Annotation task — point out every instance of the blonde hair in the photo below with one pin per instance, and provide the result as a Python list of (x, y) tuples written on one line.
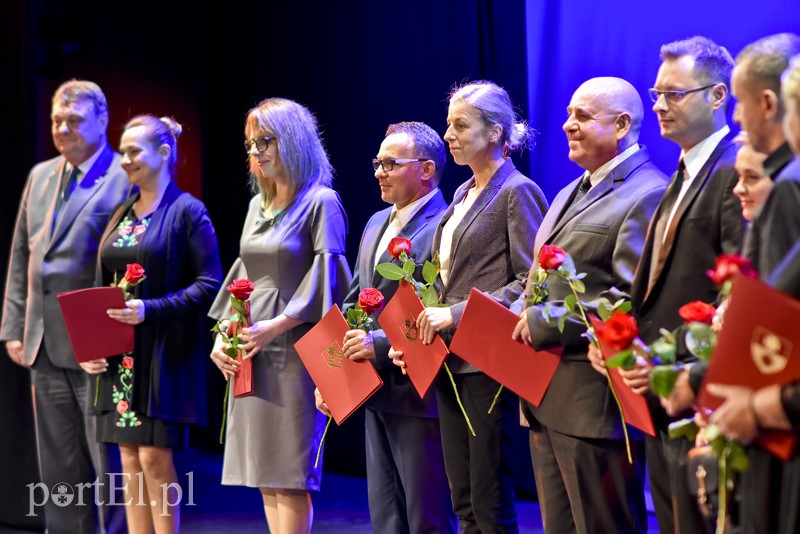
[(494, 107), (298, 143), (160, 131)]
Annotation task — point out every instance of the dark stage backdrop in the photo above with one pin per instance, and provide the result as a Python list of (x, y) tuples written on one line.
[(359, 65)]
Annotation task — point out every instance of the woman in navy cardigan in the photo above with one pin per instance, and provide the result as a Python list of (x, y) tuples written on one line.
[(146, 399)]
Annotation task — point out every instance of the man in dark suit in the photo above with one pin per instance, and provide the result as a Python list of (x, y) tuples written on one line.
[(584, 479), (698, 219), (406, 481), (64, 209)]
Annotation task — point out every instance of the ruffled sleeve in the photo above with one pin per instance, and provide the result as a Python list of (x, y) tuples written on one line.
[(327, 280)]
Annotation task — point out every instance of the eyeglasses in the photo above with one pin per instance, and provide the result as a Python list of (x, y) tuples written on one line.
[(674, 97), (261, 144), (388, 164)]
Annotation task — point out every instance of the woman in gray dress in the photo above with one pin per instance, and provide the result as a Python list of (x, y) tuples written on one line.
[(292, 249)]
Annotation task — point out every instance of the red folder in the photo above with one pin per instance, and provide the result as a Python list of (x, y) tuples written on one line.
[(759, 346), (344, 384), (243, 379), (634, 406), (92, 333), (483, 338), (398, 320)]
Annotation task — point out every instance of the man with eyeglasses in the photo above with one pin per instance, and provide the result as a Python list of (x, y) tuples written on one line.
[(406, 481), (584, 479), (64, 209), (698, 219)]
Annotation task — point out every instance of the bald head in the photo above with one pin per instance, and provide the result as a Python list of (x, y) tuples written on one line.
[(605, 117)]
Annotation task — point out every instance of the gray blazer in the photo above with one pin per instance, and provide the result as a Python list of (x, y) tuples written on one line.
[(492, 245), (604, 233), (44, 263)]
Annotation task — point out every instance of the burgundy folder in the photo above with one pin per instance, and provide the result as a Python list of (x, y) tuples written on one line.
[(483, 338), (92, 333), (344, 384), (398, 321), (758, 346), (634, 406)]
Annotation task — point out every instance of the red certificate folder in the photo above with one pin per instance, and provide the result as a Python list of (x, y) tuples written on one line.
[(243, 379), (398, 321), (92, 333), (344, 384), (634, 407), (483, 338), (759, 346)]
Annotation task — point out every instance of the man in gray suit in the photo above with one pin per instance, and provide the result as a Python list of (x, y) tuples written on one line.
[(583, 477), (406, 481), (64, 209)]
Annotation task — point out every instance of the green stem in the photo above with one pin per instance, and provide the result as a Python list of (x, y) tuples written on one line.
[(319, 449), (458, 400), (723, 490), (496, 396), (608, 376), (225, 410), (96, 389)]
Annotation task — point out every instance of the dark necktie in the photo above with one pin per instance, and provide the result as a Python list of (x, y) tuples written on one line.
[(667, 205), (66, 192), (583, 188)]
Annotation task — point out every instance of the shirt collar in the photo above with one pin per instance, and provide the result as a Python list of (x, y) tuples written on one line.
[(404, 214), (86, 166), (603, 170), (697, 156)]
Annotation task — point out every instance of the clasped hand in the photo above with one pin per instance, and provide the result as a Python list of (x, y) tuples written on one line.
[(358, 345)]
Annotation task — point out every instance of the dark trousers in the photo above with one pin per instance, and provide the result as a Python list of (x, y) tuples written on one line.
[(676, 508), (406, 481), (588, 485), (70, 454), (479, 467)]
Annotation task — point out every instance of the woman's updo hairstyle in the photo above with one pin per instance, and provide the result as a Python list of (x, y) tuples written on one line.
[(494, 106), (160, 131)]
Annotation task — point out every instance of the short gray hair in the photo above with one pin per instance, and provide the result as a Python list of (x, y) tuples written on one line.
[(81, 91), (765, 60)]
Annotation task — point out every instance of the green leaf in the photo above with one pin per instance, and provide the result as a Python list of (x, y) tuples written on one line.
[(409, 266), (569, 303), (662, 379), (738, 460), (355, 316), (429, 296), (685, 428), (604, 309), (390, 270), (579, 286), (232, 352), (624, 359), (623, 306), (664, 350), (561, 322), (430, 272), (238, 305)]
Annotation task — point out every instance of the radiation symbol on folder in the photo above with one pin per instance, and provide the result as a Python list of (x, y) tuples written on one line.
[(333, 355), (410, 328), (770, 351)]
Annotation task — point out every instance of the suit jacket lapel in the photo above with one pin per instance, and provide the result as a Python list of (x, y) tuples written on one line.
[(485, 196), (372, 235), (83, 193)]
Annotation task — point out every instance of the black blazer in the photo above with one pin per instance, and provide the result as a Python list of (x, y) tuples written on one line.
[(397, 394), (181, 260)]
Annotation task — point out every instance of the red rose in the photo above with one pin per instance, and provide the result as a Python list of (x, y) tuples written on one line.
[(370, 300), (241, 288), (727, 265), (122, 407), (619, 331), (697, 312), (397, 246), (551, 257), (127, 362), (134, 273)]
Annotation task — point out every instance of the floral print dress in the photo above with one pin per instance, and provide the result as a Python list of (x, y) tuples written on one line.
[(118, 422)]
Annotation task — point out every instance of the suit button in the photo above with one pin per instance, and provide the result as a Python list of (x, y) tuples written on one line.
[(46, 291)]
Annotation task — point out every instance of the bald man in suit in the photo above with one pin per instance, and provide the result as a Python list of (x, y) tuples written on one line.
[(583, 477), (64, 209)]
